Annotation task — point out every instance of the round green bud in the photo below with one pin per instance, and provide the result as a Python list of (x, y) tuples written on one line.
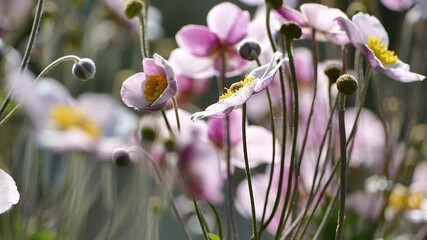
[(121, 157), (133, 8), (84, 69), (275, 4), (169, 144), (333, 71), (347, 84), (148, 134), (356, 7), (249, 49), (291, 30)]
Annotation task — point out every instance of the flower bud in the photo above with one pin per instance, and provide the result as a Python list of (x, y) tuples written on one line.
[(275, 4), (84, 69), (347, 84), (333, 72), (249, 49), (121, 157), (133, 8), (148, 134), (291, 30)]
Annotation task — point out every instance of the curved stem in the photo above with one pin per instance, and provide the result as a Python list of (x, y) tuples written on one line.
[(42, 74), (28, 50), (343, 163), (248, 173)]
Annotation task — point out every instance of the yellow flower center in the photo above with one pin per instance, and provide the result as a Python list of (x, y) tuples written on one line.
[(401, 198), (381, 52), (154, 87), (66, 117), (237, 86)]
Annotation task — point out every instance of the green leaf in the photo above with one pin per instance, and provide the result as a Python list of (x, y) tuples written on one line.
[(213, 236)]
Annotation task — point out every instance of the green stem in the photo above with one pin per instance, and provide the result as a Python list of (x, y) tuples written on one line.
[(200, 217), (28, 50), (248, 173), (343, 163), (143, 34), (283, 151), (218, 221), (295, 113), (175, 108), (172, 135), (270, 35)]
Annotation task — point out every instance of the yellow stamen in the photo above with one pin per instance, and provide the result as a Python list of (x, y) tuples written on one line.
[(154, 87), (237, 86), (381, 52), (401, 198), (65, 117)]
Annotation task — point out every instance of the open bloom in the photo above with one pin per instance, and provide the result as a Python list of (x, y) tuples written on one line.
[(368, 35), (320, 18), (239, 92), (9, 194), (94, 122), (212, 48), (150, 90)]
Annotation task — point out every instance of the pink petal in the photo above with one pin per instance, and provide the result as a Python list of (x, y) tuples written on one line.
[(151, 68), (132, 91), (370, 26), (198, 40), (400, 72), (293, 15), (321, 17), (397, 5), (216, 128), (353, 32), (9, 194), (184, 62), (228, 22)]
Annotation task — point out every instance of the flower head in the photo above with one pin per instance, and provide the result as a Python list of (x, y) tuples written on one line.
[(368, 35), (150, 90), (208, 46), (320, 18), (239, 92)]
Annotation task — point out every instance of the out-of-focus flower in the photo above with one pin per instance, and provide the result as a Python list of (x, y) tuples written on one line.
[(258, 140), (154, 18), (150, 90), (93, 122), (13, 13), (262, 2), (320, 18), (9, 194), (239, 92), (397, 5), (211, 49), (368, 35)]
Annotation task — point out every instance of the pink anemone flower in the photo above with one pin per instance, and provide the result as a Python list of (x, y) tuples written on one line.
[(213, 47), (150, 90), (9, 194), (239, 92), (368, 35)]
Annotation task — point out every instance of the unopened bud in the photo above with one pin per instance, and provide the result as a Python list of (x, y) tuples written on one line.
[(333, 72), (121, 157), (347, 84), (291, 30), (148, 134), (133, 8), (275, 4), (84, 69), (249, 49)]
